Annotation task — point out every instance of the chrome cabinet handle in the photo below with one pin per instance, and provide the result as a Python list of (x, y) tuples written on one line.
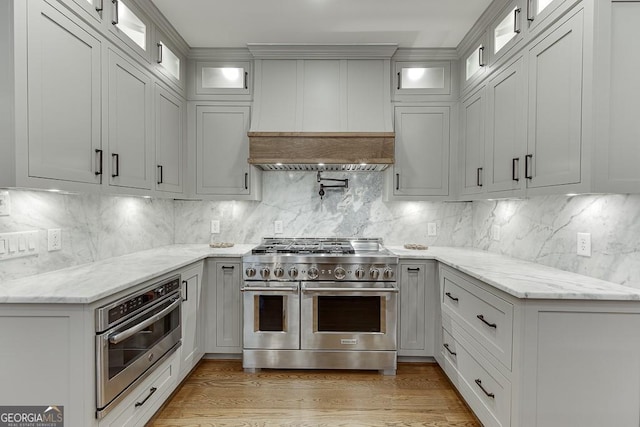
[(121, 336), (516, 21), (349, 290), (151, 391), (99, 169), (491, 325), (399, 81), (186, 291), (160, 174), (159, 53), (451, 352), (115, 157), (528, 166), (481, 56), (452, 297), (515, 169), (115, 18), (479, 177), (269, 289), (246, 80), (529, 11), (479, 383)]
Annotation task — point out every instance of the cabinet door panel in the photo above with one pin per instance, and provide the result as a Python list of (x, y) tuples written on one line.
[(321, 101), (416, 326), (64, 101), (555, 106), (277, 95), (473, 119), (228, 307), (191, 342), (222, 150), (366, 85), (169, 137), (129, 124)]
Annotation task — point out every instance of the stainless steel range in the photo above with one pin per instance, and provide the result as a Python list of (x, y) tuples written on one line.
[(320, 304)]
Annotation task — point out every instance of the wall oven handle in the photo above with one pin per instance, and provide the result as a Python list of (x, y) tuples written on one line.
[(121, 336), (350, 290), (269, 289)]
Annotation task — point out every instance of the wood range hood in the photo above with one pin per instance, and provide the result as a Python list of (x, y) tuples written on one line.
[(310, 151)]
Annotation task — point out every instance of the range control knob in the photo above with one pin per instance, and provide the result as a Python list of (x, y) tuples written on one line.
[(388, 273), (374, 273), (359, 273), (293, 272), (250, 271), (339, 273), (264, 272), (278, 272), (313, 273)]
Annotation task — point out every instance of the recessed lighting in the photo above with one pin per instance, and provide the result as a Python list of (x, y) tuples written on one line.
[(320, 164), (54, 190), (572, 194)]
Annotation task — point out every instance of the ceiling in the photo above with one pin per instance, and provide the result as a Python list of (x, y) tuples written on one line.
[(409, 23)]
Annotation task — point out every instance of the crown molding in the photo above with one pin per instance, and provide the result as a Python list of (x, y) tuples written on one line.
[(481, 25), (322, 51), (425, 54), (220, 54)]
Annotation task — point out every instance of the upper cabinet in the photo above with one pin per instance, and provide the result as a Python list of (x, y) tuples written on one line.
[(422, 78), (223, 78), (169, 130), (542, 13), (474, 63), (472, 124), (91, 10), (169, 62), (131, 26), (506, 31)]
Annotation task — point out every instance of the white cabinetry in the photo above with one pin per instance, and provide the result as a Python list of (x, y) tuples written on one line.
[(422, 154), (131, 26), (507, 30), (473, 140), (169, 132), (223, 326), (192, 348), (418, 299)]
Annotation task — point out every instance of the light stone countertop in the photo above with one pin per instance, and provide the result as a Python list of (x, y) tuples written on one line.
[(91, 282)]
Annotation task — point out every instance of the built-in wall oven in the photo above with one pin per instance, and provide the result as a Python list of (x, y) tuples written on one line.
[(133, 335)]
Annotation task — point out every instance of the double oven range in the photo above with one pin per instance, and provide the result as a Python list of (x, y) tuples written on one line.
[(320, 304)]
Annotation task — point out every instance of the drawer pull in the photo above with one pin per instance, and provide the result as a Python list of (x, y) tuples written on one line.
[(453, 353), (413, 268), (491, 325), (154, 389), (491, 395), (452, 297)]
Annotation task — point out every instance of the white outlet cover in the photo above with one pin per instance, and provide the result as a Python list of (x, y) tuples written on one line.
[(5, 203), (495, 232), (54, 239), (432, 229), (278, 227), (215, 226), (584, 244)]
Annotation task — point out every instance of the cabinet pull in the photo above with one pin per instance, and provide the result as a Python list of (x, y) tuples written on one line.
[(115, 19), (151, 391), (99, 168), (246, 181), (160, 174), (481, 56), (186, 291), (529, 11), (116, 168), (413, 268), (397, 181), (228, 267), (528, 166), (246, 80), (491, 325), (451, 352), (516, 21), (479, 177), (515, 169), (452, 297), (479, 383), (159, 53), (99, 8), (399, 81)]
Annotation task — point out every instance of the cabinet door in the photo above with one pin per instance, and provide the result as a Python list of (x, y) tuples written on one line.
[(228, 308), (64, 101), (169, 137), (191, 348), (222, 150), (91, 9), (416, 327), (541, 13), (130, 143), (554, 136), (506, 31), (130, 25), (422, 151), (506, 138), (472, 150)]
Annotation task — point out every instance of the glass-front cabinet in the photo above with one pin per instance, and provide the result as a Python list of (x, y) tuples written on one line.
[(506, 31), (474, 62), (131, 26), (539, 13), (223, 78), (429, 78), (168, 59)]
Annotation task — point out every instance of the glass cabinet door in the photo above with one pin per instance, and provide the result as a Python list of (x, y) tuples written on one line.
[(506, 32), (223, 77), (423, 78), (131, 26), (474, 63)]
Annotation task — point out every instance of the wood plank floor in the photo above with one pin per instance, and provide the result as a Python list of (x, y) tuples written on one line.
[(219, 393)]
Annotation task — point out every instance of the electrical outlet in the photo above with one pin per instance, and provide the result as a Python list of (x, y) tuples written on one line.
[(215, 226), (278, 227), (584, 244), (54, 239), (495, 232), (432, 229), (5, 204)]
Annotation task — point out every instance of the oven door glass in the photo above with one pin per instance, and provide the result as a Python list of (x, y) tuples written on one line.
[(348, 318), (271, 316)]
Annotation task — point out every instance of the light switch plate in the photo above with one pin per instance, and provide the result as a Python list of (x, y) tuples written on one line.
[(278, 227), (18, 244), (5, 203), (215, 226)]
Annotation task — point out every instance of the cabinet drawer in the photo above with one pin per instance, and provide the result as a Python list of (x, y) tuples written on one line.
[(485, 390), (486, 317)]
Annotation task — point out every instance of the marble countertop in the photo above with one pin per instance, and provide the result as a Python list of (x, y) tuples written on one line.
[(91, 282)]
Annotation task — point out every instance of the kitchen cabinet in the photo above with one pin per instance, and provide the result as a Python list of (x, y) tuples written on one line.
[(169, 135), (90, 10), (192, 348), (422, 78), (131, 26), (507, 30), (472, 166), (505, 131), (223, 325), (223, 78), (130, 126), (474, 63), (168, 61), (542, 13), (222, 149), (422, 156), (418, 299)]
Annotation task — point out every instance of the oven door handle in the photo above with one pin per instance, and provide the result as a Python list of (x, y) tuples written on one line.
[(350, 290), (121, 336), (268, 289)]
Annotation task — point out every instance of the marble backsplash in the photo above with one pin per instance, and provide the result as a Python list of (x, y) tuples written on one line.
[(292, 197), (544, 230), (93, 228)]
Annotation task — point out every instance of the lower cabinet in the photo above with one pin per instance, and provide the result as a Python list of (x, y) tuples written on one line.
[(223, 324), (416, 315), (192, 348)]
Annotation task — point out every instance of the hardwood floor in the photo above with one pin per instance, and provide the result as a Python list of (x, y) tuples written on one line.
[(219, 393)]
